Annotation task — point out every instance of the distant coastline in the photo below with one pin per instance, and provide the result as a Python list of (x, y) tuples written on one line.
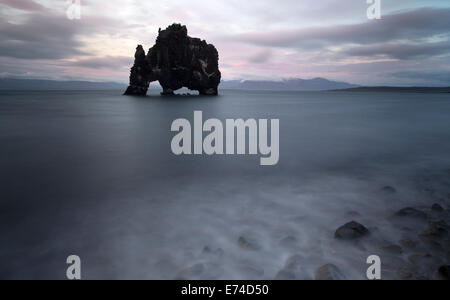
[(392, 89), (291, 85)]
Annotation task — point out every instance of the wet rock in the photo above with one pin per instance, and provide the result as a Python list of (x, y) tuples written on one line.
[(285, 275), (213, 271), (329, 272), (437, 229), (248, 243), (420, 258), (191, 273), (389, 190), (432, 244), (351, 231), (289, 241), (391, 262), (393, 249), (165, 267), (444, 272), (436, 207), (405, 273), (425, 262), (208, 251), (292, 269), (410, 273), (251, 270), (294, 262), (176, 60), (411, 213), (406, 229), (408, 244), (219, 252)]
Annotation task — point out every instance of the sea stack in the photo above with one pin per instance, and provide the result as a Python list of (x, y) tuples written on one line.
[(176, 61)]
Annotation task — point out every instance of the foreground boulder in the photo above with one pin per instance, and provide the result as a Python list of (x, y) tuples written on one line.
[(437, 229), (411, 213), (351, 231), (285, 275), (193, 272), (329, 272), (436, 207), (389, 190), (176, 61), (248, 243)]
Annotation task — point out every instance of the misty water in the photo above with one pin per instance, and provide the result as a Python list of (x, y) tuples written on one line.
[(91, 173)]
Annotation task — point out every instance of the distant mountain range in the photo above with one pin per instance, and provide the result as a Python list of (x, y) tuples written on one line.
[(316, 84), (391, 89)]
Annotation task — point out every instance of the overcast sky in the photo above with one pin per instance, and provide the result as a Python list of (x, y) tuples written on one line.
[(256, 39)]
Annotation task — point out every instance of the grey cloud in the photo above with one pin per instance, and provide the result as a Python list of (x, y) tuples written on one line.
[(49, 36), (106, 62), (22, 50), (413, 25), (442, 77), (41, 37), (400, 50), (261, 57)]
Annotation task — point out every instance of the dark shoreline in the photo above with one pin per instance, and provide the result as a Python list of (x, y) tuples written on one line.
[(389, 89)]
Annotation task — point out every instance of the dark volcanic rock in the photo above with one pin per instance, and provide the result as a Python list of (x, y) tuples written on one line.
[(285, 275), (193, 272), (250, 270), (289, 241), (437, 207), (176, 61), (294, 262), (208, 251), (329, 272), (437, 229), (138, 79), (411, 212), (351, 231), (393, 249), (405, 273), (389, 190), (408, 244), (248, 243)]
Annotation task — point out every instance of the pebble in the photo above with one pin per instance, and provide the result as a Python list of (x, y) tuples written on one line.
[(436, 207), (351, 231), (411, 212), (329, 272)]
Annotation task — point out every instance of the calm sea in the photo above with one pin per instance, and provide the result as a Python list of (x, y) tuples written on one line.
[(91, 173)]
